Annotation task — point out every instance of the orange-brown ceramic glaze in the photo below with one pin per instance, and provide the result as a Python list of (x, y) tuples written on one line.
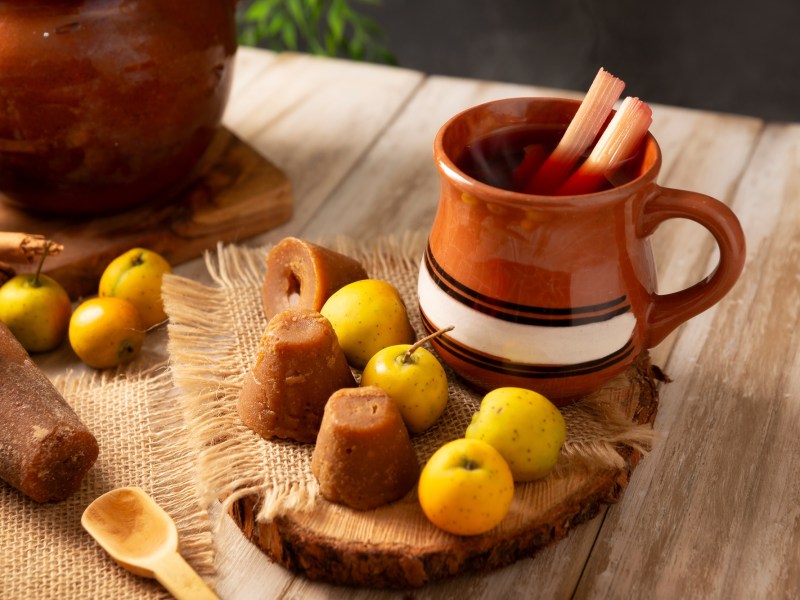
[(556, 294), (106, 104)]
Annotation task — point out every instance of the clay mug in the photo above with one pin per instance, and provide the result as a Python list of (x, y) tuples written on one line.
[(108, 104), (556, 293)]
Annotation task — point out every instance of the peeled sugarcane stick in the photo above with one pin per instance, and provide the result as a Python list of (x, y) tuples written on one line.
[(45, 450), (618, 142), (579, 135)]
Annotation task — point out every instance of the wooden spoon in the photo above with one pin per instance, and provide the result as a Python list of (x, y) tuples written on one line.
[(142, 538)]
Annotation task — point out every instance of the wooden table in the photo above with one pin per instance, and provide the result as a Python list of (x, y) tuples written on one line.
[(714, 510)]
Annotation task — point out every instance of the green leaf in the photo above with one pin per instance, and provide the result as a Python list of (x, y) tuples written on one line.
[(357, 48), (258, 10), (336, 27), (277, 24), (315, 9), (296, 10), (331, 44), (289, 36), (248, 36), (331, 27)]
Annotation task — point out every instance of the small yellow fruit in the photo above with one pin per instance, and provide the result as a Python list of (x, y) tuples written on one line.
[(367, 315), (36, 309), (525, 427), (417, 384), (466, 487), (106, 332), (136, 276)]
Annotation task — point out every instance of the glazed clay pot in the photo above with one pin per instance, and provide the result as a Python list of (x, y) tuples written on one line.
[(108, 103), (556, 294)]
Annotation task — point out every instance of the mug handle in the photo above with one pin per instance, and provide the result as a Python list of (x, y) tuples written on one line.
[(668, 311)]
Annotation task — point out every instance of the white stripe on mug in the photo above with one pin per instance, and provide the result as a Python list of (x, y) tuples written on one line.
[(530, 344)]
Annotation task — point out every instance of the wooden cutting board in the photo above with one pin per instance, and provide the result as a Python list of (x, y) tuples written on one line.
[(395, 546), (239, 194)]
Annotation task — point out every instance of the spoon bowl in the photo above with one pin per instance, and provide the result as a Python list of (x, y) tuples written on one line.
[(142, 538)]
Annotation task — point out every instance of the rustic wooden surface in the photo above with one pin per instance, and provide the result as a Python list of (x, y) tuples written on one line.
[(712, 511), (709, 513), (395, 546), (239, 194)]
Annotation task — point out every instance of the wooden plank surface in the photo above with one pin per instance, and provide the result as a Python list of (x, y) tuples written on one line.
[(718, 495), (315, 118), (666, 536)]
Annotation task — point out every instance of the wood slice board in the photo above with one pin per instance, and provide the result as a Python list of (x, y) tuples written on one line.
[(237, 195), (396, 546)]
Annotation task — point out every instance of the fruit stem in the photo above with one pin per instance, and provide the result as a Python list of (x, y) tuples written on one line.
[(46, 250), (156, 325), (427, 338)]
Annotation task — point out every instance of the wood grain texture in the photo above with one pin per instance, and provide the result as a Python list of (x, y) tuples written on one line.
[(706, 153), (718, 496), (396, 546), (237, 195), (316, 118)]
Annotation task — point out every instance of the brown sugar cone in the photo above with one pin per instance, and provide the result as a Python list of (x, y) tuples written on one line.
[(303, 275), (45, 450), (299, 365), (364, 457)]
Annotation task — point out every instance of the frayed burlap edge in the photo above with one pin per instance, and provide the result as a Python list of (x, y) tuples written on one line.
[(205, 341), (604, 428), (205, 350), (172, 476)]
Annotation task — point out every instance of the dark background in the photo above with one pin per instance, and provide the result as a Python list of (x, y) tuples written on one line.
[(730, 56)]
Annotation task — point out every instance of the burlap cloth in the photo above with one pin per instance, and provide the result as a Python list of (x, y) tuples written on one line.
[(173, 430), (214, 335), (137, 420)]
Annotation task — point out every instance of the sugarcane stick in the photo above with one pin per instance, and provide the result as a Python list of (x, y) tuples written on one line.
[(45, 450), (18, 247)]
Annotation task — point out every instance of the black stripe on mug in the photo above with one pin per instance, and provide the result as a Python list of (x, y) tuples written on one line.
[(532, 371), (522, 313)]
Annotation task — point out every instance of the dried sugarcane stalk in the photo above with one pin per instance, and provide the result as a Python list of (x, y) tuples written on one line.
[(18, 247), (45, 450)]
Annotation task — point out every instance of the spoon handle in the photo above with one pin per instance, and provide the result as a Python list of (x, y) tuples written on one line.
[(181, 580)]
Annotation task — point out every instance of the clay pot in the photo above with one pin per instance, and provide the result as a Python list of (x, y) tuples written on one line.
[(107, 104)]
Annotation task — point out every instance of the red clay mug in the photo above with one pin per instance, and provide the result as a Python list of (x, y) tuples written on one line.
[(556, 293)]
